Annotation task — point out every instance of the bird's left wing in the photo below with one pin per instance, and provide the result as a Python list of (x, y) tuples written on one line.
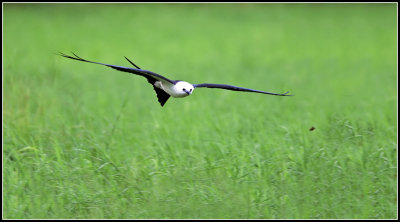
[(140, 72), (236, 88)]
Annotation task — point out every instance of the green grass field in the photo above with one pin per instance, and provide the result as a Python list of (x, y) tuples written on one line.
[(85, 141)]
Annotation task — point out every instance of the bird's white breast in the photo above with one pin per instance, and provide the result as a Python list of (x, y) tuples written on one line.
[(175, 90)]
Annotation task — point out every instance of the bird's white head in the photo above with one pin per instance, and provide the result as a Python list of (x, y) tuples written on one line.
[(184, 88)]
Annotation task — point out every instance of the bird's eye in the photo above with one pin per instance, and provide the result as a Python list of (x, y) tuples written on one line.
[(184, 89)]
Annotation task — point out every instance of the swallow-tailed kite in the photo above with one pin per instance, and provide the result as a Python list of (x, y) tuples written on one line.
[(165, 87)]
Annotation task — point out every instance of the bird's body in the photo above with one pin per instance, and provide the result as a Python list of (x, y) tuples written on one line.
[(178, 90), (165, 87)]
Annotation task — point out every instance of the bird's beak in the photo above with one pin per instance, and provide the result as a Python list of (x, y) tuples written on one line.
[(187, 92)]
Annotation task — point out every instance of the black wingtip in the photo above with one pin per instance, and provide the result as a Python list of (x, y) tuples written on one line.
[(75, 57), (70, 57), (285, 94), (60, 54)]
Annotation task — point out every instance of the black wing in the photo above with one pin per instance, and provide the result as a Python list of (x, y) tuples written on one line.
[(150, 76), (140, 72), (162, 96), (236, 88)]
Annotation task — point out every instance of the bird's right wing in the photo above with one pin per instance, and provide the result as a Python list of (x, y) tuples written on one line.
[(141, 72), (236, 88)]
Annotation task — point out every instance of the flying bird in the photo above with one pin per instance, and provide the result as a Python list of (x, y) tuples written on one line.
[(165, 87)]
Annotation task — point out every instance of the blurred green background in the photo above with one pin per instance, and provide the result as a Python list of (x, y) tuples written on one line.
[(85, 141)]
